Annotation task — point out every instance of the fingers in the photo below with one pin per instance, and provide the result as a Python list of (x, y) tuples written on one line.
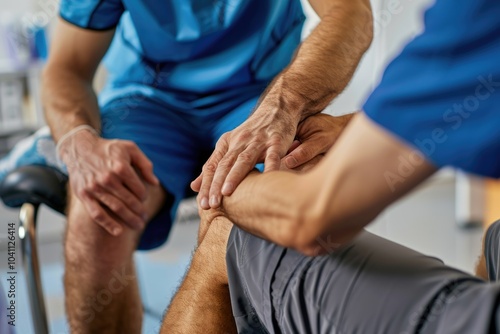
[(229, 164), (223, 168), (303, 154), (100, 216), (295, 144), (144, 165), (196, 184), (225, 182), (273, 159), (208, 172), (132, 195), (310, 164), (119, 208)]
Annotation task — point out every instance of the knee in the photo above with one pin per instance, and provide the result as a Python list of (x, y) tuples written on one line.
[(217, 232), (87, 242)]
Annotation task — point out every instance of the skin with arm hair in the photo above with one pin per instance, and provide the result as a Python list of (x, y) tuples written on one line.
[(321, 69)]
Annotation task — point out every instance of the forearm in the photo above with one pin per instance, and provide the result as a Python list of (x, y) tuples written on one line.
[(325, 62), (68, 100), (336, 199), (266, 205)]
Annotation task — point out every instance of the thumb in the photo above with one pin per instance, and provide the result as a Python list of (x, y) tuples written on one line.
[(302, 154)]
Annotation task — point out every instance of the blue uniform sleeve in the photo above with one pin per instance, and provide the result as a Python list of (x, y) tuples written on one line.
[(442, 93), (92, 14)]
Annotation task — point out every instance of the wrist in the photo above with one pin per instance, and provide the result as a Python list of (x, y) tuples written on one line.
[(282, 98), (81, 137)]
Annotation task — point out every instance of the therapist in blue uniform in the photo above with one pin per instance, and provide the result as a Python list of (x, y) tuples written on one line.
[(181, 74), (298, 260)]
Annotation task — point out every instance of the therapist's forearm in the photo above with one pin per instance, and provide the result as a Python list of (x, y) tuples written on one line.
[(326, 60)]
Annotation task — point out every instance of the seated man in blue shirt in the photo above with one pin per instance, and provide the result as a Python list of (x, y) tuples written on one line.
[(298, 260), (181, 73)]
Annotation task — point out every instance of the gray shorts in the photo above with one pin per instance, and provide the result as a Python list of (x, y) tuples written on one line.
[(372, 285)]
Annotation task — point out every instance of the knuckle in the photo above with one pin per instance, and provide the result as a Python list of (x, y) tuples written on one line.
[(115, 206), (119, 168), (302, 154), (246, 157), (210, 167), (226, 163), (97, 215), (273, 156), (127, 143), (107, 179), (244, 135), (225, 137), (92, 186), (275, 140)]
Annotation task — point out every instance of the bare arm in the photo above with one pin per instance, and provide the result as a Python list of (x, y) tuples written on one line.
[(326, 60), (357, 180), (68, 97), (321, 69), (108, 176)]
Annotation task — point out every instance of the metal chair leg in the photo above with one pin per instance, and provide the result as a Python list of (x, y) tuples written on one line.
[(27, 234)]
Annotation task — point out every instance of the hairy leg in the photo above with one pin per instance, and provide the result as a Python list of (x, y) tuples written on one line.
[(102, 294), (202, 303)]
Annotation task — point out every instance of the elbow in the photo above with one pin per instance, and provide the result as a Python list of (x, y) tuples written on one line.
[(315, 233), (304, 234), (365, 31)]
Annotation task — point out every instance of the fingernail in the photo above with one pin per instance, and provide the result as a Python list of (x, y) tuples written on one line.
[(214, 201), (116, 231), (227, 188), (291, 162), (145, 217), (204, 202)]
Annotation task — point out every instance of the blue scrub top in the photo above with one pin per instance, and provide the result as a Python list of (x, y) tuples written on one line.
[(442, 93), (192, 54)]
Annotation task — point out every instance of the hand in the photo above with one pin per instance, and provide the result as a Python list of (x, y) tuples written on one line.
[(264, 137), (315, 136), (107, 176)]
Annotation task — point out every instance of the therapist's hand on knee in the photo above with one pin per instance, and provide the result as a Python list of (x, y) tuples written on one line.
[(265, 137), (269, 140), (110, 177)]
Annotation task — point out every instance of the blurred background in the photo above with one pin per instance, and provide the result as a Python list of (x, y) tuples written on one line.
[(444, 217)]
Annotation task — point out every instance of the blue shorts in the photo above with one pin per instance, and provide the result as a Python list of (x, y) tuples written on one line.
[(178, 142)]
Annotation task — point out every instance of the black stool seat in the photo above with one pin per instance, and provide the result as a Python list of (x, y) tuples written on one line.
[(37, 185)]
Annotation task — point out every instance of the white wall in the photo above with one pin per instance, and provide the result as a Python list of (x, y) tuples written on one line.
[(396, 22)]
